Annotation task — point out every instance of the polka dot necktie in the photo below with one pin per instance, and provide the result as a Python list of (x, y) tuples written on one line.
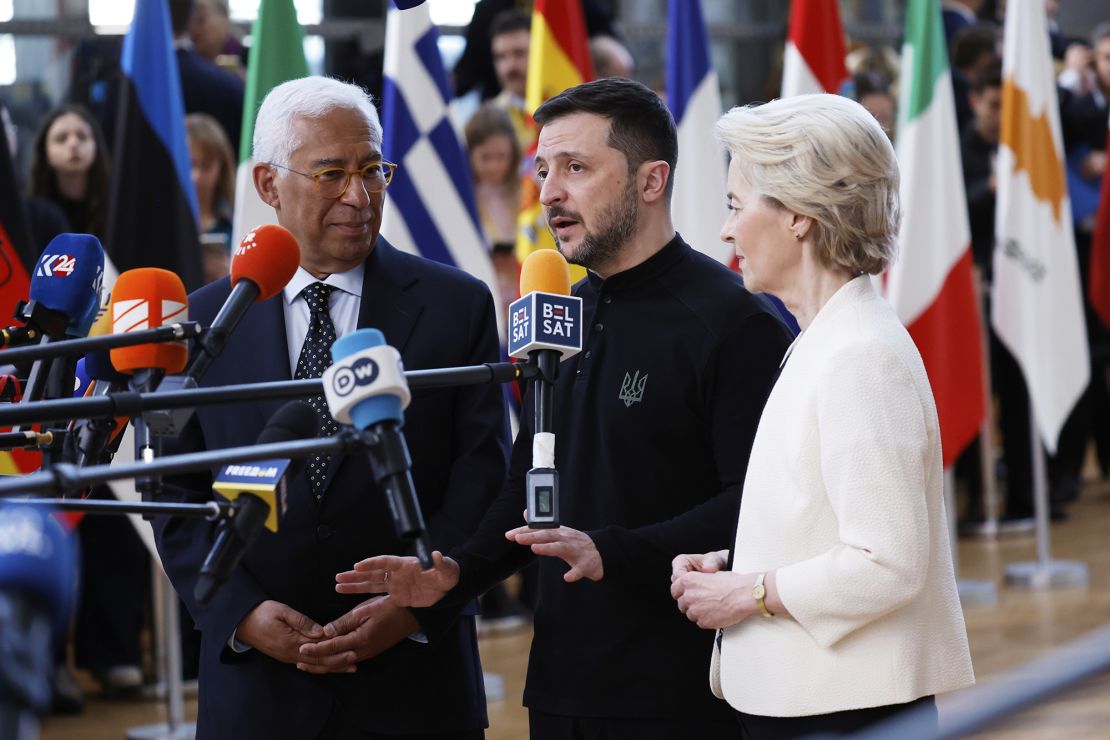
[(314, 360)]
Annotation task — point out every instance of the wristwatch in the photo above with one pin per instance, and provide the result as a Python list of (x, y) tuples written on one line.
[(759, 593)]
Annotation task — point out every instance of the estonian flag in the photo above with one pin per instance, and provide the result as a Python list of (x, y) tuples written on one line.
[(152, 217)]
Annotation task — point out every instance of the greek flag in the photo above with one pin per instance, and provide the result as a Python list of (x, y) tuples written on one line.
[(430, 208)]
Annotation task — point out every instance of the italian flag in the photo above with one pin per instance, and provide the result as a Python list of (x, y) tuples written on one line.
[(931, 284), (813, 60), (276, 56)]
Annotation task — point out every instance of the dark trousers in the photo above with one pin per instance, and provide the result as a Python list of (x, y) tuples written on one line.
[(544, 726), (755, 727), (340, 727)]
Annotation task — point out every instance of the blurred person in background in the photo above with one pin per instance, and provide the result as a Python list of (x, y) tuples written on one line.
[(211, 33), (205, 87), (873, 93), (69, 168), (213, 174), (610, 57)]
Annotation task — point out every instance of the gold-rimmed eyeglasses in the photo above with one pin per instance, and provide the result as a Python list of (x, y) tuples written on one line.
[(332, 182)]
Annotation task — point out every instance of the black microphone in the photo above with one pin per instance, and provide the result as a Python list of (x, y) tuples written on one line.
[(545, 325), (366, 387), (257, 492), (96, 439)]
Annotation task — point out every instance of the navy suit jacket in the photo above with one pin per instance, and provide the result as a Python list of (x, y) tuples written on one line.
[(207, 88), (436, 316)]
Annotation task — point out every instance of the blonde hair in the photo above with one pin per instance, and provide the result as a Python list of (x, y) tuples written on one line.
[(823, 156)]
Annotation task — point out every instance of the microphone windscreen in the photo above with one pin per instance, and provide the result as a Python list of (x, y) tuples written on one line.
[(68, 277), (294, 420), (380, 406), (147, 298), (545, 271), (268, 256), (37, 559)]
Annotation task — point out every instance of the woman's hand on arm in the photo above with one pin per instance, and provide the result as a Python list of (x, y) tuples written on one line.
[(721, 599)]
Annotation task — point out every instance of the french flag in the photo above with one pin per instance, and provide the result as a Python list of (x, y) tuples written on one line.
[(698, 202)]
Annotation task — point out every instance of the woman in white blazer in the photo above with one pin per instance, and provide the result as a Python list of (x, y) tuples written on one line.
[(839, 606)]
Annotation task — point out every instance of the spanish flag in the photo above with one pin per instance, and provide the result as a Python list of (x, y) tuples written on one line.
[(558, 58)]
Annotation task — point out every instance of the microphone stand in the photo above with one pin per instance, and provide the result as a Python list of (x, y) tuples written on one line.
[(67, 478), (137, 403), (76, 347)]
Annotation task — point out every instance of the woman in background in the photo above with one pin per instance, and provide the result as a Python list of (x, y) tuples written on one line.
[(495, 160), (69, 168), (213, 173), (840, 607)]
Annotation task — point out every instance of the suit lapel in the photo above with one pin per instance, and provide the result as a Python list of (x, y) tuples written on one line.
[(386, 305), (261, 343)]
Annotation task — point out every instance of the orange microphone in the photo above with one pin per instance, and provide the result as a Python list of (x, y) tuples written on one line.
[(144, 299), (263, 263), (545, 271), (545, 326)]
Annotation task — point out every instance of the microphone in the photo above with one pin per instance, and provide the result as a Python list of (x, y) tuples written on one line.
[(93, 436), (263, 263), (366, 388), (37, 584), (545, 325), (257, 493), (63, 300), (142, 298), (65, 287)]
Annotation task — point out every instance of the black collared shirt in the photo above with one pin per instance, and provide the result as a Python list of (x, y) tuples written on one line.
[(653, 419)]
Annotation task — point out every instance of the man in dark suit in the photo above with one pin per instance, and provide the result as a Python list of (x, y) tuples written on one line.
[(205, 86), (262, 674)]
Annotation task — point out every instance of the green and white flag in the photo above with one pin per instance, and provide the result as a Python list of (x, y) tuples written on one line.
[(276, 56), (931, 284)]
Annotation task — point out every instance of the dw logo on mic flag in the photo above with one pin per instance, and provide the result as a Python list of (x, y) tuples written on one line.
[(545, 321)]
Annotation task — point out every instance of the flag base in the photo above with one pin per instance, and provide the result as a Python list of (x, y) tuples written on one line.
[(1040, 575), (976, 593)]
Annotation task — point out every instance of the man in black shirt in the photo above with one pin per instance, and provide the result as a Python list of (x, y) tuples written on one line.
[(654, 421)]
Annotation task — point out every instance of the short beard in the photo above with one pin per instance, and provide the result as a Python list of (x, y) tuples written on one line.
[(618, 226)]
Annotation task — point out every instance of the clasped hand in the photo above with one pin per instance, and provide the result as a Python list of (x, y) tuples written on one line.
[(708, 595), (288, 636)]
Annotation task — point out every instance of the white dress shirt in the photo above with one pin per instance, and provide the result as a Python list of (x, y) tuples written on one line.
[(343, 306)]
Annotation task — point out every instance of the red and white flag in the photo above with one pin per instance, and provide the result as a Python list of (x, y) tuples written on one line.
[(813, 61)]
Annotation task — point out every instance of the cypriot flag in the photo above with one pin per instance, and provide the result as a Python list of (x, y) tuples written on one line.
[(930, 285), (1037, 306)]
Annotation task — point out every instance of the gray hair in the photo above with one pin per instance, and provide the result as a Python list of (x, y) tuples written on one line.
[(309, 97), (823, 156)]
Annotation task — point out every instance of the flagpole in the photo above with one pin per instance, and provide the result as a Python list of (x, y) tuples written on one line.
[(989, 490), (973, 592), (1044, 572)]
